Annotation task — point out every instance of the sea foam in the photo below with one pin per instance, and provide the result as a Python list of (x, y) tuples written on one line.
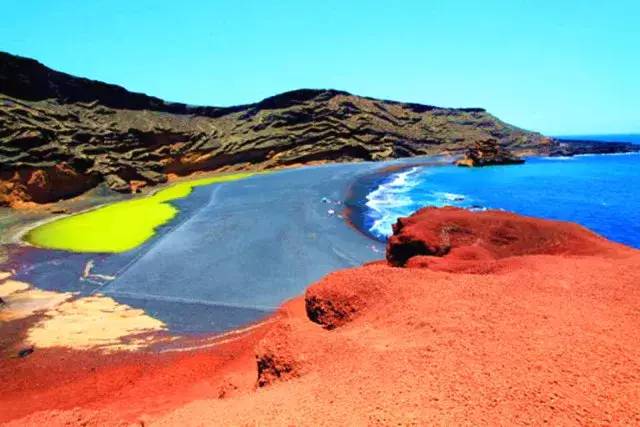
[(400, 195)]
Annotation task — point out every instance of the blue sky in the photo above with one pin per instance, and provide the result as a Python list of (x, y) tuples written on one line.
[(559, 67)]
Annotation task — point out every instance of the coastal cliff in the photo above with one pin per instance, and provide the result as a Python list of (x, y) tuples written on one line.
[(62, 135), (474, 318)]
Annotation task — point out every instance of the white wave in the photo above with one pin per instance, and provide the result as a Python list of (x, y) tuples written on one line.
[(557, 158), (390, 201), (628, 153), (576, 156), (397, 197), (451, 197)]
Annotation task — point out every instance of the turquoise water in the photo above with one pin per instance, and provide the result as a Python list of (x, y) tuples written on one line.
[(600, 192)]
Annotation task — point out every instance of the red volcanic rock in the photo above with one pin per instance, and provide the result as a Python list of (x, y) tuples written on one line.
[(331, 304), (277, 356), (544, 331), (462, 235), (43, 185)]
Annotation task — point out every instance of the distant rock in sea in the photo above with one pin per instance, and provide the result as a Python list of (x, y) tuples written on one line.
[(572, 147), (488, 153)]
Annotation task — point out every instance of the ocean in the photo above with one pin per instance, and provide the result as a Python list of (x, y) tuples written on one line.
[(601, 192)]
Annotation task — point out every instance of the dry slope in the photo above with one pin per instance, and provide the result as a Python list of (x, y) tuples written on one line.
[(61, 135)]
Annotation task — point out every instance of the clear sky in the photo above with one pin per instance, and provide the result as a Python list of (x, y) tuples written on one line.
[(559, 67)]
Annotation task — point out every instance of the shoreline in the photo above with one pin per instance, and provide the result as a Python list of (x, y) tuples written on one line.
[(95, 202), (352, 193), (358, 190), (18, 236), (357, 200), (219, 211), (622, 153)]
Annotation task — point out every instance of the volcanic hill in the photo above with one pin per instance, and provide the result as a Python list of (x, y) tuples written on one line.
[(62, 135)]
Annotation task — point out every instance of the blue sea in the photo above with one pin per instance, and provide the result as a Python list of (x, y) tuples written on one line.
[(601, 192)]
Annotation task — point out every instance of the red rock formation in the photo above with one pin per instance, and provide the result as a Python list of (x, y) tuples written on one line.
[(43, 185), (460, 235), (494, 319)]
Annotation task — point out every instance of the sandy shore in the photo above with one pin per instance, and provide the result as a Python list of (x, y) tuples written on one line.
[(235, 251), (254, 243)]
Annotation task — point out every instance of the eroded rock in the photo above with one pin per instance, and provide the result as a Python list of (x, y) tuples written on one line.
[(488, 152), (464, 235)]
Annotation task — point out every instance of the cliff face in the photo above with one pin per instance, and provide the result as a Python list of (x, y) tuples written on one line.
[(62, 135)]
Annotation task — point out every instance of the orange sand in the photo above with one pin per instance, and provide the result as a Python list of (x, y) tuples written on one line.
[(515, 321)]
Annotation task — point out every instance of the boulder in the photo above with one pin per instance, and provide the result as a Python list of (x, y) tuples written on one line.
[(488, 153)]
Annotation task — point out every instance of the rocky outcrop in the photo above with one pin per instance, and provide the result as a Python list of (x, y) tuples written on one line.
[(41, 185), (488, 153), (572, 147), (459, 235), (332, 307), (272, 369), (275, 359), (126, 140)]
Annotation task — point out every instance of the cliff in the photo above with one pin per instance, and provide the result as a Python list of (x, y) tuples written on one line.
[(62, 135)]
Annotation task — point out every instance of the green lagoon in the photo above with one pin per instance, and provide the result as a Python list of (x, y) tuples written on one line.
[(120, 226)]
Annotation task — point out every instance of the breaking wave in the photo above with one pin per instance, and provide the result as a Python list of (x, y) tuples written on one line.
[(401, 194)]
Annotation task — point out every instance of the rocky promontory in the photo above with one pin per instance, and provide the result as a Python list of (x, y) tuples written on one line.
[(573, 147), (488, 153), (61, 135)]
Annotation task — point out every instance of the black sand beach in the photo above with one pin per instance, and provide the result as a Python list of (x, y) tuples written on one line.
[(234, 252)]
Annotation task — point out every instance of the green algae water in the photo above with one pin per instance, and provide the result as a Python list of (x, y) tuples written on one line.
[(120, 226)]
